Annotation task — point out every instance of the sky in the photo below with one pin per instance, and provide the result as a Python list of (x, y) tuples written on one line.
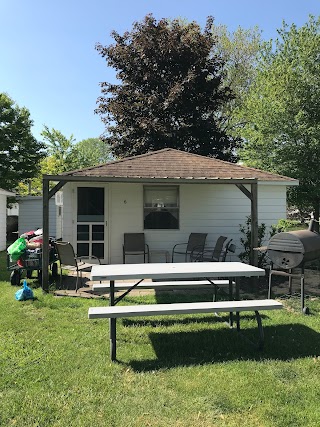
[(48, 61)]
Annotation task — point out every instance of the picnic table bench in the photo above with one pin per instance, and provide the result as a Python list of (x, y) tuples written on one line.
[(115, 312)]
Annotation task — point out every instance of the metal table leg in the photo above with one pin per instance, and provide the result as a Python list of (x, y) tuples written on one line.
[(304, 309), (113, 326), (290, 281), (302, 290), (270, 281), (260, 329), (237, 280), (230, 298), (113, 340)]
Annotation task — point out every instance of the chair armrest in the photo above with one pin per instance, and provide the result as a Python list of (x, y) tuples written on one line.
[(178, 244)]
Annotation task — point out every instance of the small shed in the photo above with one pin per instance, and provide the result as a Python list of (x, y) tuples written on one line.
[(30, 214), (136, 194), (3, 217)]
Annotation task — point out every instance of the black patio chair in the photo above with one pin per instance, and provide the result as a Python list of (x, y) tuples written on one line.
[(194, 245), (209, 254), (134, 244), (70, 261)]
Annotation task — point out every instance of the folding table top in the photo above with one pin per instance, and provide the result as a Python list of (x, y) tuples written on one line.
[(174, 270)]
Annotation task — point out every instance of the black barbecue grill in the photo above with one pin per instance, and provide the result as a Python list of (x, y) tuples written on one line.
[(292, 249), (289, 250)]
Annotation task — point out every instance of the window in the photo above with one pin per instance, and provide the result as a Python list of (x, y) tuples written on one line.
[(161, 207), (90, 204)]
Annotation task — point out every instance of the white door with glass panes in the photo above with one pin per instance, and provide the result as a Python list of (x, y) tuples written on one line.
[(92, 223)]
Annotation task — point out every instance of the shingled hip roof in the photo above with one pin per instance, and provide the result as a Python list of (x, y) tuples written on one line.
[(175, 164)]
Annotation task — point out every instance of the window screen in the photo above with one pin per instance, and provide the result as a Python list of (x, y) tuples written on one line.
[(161, 207)]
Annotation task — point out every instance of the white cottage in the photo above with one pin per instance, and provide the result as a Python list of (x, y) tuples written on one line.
[(166, 194), (3, 217)]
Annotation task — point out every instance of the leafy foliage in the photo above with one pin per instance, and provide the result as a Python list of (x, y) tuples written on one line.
[(90, 152), (288, 225), (282, 112), (240, 51), (245, 240), (20, 152), (171, 91), (264, 236), (65, 155), (59, 147), (48, 166)]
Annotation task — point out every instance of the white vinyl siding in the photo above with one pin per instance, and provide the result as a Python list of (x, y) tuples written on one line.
[(69, 214), (30, 215), (216, 209)]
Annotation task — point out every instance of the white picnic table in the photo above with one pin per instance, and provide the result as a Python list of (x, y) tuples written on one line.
[(173, 270), (168, 271)]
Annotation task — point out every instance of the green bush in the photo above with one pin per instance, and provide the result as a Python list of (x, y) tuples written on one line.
[(264, 236), (287, 225), (245, 240)]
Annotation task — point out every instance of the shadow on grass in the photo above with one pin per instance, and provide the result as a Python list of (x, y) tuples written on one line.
[(283, 342), (186, 321)]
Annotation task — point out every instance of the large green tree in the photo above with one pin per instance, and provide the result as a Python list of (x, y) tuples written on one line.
[(20, 152), (59, 147), (170, 91), (282, 112), (90, 152), (240, 50)]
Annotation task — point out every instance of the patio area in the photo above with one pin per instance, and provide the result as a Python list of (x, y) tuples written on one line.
[(279, 288)]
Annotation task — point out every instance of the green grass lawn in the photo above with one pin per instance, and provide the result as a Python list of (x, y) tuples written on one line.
[(172, 371)]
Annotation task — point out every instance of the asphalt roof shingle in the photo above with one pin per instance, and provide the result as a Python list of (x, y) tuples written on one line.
[(171, 163)]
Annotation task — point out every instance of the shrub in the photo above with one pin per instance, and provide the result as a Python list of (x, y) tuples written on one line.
[(286, 225), (245, 240)]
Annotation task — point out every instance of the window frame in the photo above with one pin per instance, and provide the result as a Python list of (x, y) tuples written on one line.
[(163, 208)]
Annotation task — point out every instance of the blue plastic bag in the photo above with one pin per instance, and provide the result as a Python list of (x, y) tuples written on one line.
[(24, 293)]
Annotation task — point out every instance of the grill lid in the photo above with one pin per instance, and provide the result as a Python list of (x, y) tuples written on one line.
[(290, 249), (286, 242)]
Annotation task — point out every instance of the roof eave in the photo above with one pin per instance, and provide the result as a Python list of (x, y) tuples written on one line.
[(190, 180), (287, 183)]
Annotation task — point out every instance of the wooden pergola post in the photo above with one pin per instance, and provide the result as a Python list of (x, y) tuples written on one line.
[(254, 224), (45, 231), (253, 196), (46, 196)]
